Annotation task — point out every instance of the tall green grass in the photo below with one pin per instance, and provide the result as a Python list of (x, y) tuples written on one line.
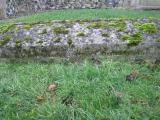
[(90, 89)]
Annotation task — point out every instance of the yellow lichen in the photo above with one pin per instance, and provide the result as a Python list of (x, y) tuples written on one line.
[(27, 26), (80, 34)]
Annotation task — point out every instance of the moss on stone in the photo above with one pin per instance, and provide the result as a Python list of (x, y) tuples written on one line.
[(80, 34), (97, 25), (132, 40), (18, 43), (60, 30), (105, 35), (6, 28), (149, 28), (5, 40), (158, 40), (118, 24), (27, 26)]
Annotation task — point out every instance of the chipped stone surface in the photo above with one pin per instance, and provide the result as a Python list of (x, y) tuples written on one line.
[(41, 40)]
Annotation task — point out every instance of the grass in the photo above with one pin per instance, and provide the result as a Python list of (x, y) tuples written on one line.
[(89, 88), (85, 14)]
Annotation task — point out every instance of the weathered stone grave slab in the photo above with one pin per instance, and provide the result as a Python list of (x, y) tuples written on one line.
[(73, 39)]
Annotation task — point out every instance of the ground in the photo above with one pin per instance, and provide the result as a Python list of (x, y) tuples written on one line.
[(95, 88)]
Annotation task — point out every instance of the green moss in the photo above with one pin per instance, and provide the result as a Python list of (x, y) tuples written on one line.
[(80, 34), (158, 40), (97, 25), (149, 28), (5, 28), (105, 35), (60, 30), (5, 40), (118, 24), (27, 26), (69, 42), (57, 40), (18, 43), (132, 40)]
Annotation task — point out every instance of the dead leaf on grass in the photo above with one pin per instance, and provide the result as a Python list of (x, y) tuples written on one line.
[(52, 87), (40, 99)]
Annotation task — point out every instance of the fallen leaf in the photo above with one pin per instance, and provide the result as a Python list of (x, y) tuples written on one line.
[(68, 100), (132, 76), (119, 94), (40, 99), (52, 87), (139, 102)]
